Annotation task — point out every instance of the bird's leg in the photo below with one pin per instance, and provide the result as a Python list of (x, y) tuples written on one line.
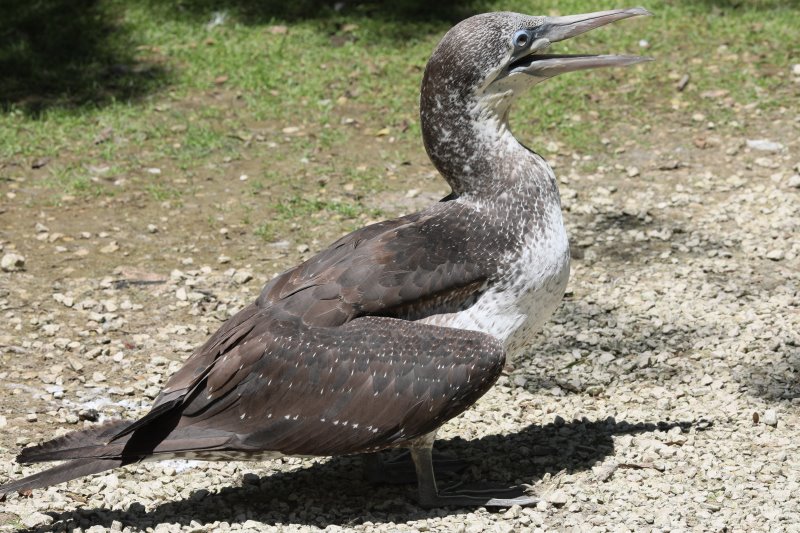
[(430, 496), (398, 468)]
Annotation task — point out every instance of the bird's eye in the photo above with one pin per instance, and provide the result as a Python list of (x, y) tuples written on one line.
[(521, 39)]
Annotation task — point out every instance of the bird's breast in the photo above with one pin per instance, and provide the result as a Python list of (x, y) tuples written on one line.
[(528, 288)]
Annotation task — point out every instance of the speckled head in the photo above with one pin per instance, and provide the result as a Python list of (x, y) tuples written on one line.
[(480, 66), (499, 51)]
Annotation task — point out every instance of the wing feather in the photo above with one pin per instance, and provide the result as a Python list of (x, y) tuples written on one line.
[(329, 359)]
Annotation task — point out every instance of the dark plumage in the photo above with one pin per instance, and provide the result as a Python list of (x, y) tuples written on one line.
[(398, 327)]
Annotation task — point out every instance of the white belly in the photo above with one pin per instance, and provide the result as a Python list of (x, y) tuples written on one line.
[(528, 293)]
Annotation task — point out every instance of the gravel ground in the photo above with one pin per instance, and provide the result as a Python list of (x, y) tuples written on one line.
[(663, 395)]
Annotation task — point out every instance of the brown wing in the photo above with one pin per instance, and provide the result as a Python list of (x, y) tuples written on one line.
[(422, 264), (372, 383), (301, 351), (419, 265)]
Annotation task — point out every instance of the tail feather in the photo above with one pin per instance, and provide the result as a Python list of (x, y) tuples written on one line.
[(78, 444), (110, 445), (61, 473)]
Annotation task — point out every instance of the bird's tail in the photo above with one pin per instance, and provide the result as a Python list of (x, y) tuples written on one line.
[(61, 473), (89, 443), (87, 452)]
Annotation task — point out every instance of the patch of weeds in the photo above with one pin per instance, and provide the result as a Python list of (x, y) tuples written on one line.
[(256, 187), (588, 167), (265, 231), (75, 181), (247, 214), (161, 192), (298, 207), (198, 142)]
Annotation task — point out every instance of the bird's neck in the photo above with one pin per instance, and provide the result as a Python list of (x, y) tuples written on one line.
[(470, 144)]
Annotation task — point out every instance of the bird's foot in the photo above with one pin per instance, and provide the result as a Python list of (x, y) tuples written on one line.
[(482, 496), (398, 468)]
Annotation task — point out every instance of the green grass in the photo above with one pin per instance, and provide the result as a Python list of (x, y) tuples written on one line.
[(297, 207), (265, 231), (161, 192), (71, 180), (182, 95)]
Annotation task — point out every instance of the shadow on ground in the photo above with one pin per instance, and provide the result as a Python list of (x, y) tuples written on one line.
[(332, 492), (266, 11), (64, 53)]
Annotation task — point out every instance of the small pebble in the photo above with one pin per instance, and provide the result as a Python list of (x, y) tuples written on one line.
[(91, 415), (241, 277), (770, 417), (776, 254), (110, 248), (12, 262), (557, 498), (764, 145), (36, 519)]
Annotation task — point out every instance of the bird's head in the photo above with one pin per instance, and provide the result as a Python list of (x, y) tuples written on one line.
[(499, 54), (478, 69)]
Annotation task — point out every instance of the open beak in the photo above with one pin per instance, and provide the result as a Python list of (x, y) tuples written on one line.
[(557, 29)]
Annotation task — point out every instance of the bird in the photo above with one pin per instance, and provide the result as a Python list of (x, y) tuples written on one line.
[(378, 340)]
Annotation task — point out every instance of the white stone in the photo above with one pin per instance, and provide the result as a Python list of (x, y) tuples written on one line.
[(242, 277), (37, 519), (764, 145), (775, 255), (12, 262), (557, 497)]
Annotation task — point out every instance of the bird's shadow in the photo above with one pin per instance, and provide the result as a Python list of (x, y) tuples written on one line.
[(332, 492)]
